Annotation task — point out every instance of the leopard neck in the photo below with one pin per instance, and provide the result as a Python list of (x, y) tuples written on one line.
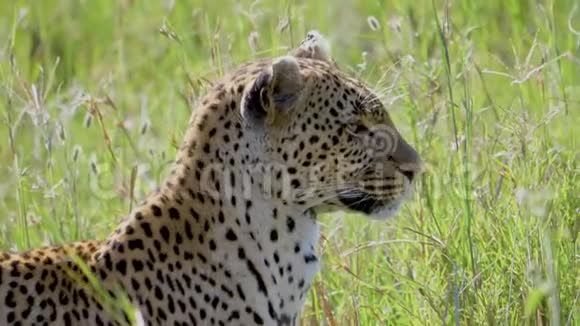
[(220, 181), (220, 214)]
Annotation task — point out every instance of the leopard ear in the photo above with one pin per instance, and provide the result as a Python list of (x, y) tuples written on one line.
[(314, 46), (276, 89)]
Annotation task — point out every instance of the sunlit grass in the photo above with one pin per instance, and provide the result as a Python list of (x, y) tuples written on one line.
[(94, 99)]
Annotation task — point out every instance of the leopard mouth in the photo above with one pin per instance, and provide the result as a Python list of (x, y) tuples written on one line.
[(361, 202)]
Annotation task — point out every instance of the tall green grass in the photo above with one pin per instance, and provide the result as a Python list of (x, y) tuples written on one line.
[(94, 96)]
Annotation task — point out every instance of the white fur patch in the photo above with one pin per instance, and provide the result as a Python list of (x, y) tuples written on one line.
[(386, 211)]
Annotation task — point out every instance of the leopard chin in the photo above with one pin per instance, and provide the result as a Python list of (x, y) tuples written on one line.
[(386, 211)]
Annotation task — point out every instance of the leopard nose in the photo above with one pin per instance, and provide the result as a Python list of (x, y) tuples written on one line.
[(409, 175)]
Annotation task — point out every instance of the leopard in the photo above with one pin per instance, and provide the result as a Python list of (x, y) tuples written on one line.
[(230, 236)]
